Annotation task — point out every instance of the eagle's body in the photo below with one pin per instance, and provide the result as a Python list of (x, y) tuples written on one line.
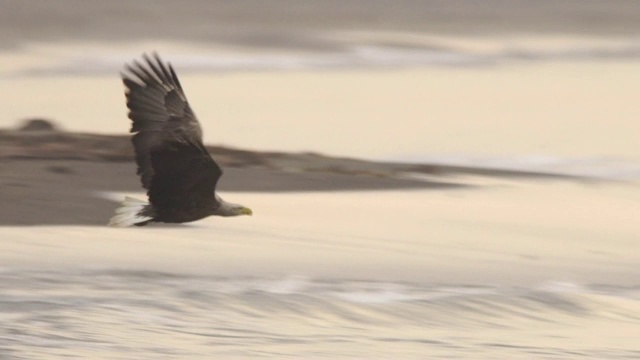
[(176, 169)]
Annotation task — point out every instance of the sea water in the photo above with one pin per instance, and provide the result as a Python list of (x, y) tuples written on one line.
[(480, 273), (120, 314)]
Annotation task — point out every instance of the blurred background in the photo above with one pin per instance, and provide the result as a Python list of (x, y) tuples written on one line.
[(429, 178), (515, 80)]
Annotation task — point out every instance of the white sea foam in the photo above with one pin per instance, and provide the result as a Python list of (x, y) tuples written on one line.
[(592, 167), (355, 52)]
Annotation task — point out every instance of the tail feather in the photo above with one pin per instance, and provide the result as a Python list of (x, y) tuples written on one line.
[(131, 212)]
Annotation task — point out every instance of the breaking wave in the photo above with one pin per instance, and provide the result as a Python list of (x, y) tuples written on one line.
[(47, 312), (359, 53)]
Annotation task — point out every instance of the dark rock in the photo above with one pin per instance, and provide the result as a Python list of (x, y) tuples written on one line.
[(37, 125)]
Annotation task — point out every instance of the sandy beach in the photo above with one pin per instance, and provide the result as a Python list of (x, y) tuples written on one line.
[(498, 235), (511, 271), (447, 180)]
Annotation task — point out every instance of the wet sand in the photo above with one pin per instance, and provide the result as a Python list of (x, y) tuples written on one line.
[(37, 192), (56, 177)]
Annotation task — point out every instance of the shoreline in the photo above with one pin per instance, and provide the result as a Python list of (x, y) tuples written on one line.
[(56, 178)]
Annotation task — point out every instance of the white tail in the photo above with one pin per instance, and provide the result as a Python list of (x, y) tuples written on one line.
[(129, 213)]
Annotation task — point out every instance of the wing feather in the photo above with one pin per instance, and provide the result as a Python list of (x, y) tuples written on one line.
[(175, 77), (159, 111)]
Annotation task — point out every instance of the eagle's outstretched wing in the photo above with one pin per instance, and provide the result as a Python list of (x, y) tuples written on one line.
[(161, 115)]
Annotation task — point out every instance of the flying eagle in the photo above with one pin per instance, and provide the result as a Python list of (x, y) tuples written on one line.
[(174, 166)]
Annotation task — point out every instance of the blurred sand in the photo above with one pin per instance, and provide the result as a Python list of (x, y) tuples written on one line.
[(68, 192), (510, 234)]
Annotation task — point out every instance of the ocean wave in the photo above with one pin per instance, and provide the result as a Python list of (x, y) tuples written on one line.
[(120, 313), (35, 290), (370, 52), (605, 168)]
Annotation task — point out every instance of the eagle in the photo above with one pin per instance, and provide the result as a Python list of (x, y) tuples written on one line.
[(175, 168)]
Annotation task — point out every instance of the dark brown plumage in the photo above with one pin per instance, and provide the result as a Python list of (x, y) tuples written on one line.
[(174, 166)]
